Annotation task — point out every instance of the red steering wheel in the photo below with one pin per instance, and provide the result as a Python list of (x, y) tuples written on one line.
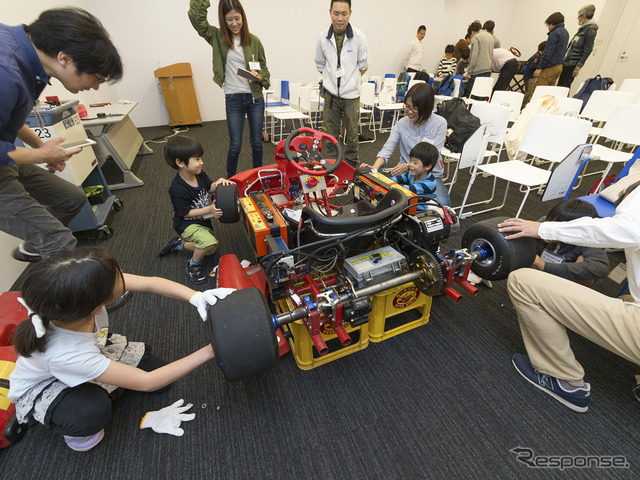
[(312, 156)]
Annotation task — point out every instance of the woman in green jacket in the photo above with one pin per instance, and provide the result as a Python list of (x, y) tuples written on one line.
[(233, 48)]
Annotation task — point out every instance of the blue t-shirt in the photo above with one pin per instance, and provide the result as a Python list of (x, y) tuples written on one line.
[(22, 79), (424, 186), (185, 198)]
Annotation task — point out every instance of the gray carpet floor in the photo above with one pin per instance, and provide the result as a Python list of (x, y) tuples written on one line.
[(441, 401)]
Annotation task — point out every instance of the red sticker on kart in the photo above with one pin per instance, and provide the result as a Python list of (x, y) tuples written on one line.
[(405, 298)]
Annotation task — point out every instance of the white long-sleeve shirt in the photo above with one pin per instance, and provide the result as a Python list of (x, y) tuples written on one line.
[(413, 58), (354, 58), (620, 231)]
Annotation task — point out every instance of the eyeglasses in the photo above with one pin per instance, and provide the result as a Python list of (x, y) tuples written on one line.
[(100, 80), (410, 108)]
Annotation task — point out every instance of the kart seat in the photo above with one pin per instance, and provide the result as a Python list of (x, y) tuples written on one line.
[(358, 215)]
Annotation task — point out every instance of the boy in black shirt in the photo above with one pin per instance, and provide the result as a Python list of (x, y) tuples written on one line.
[(192, 206)]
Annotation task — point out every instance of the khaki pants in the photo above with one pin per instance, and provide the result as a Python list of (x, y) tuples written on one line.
[(337, 110), (548, 76), (547, 305)]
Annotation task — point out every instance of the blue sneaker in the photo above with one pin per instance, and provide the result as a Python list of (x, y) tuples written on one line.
[(576, 399), (636, 389)]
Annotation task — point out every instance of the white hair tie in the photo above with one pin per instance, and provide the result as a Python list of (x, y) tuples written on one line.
[(35, 320)]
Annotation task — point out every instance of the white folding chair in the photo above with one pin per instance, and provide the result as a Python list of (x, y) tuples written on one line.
[(527, 176), (482, 87), (557, 92), (308, 106), (631, 85), (386, 103), (367, 105), (569, 106), (601, 105), (513, 100), (622, 129), (551, 137), (414, 82), (292, 114), (494, 120)]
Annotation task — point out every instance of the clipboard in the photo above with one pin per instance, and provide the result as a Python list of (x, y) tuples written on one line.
[(245, 74)]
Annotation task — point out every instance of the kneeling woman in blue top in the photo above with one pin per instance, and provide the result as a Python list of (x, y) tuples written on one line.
[(419, 179)]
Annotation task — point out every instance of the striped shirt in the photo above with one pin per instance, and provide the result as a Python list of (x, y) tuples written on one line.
[(424, 186)]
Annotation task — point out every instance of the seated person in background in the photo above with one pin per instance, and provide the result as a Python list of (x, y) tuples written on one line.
[(462, 46), (580, 264), (419, 179), (461, 68), (192, 207), (529, 70), (447, 64)]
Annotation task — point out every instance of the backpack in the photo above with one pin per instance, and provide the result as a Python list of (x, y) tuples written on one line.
[(403, 84), (421, 75), (446, 86), (595, 83), (460, 121)]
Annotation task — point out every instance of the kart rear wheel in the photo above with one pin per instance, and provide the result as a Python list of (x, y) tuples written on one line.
[(243, 335), (228, 200), (497, 256)]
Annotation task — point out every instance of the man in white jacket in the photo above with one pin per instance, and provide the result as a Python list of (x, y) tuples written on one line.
[(547, 305), (342, 56), (413, 58)]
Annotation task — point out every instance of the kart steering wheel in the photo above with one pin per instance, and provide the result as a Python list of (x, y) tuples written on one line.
[(313, 155)]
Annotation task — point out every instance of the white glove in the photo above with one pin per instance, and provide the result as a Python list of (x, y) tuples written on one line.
[(202, 300), (168, 419)]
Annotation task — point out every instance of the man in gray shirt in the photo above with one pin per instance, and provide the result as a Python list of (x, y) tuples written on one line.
[(481, 55)]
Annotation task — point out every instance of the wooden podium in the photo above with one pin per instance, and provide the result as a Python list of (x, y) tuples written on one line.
[(179, 95)]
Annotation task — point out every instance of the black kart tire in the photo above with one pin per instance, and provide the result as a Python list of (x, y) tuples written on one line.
[(243, 335), (228, 200), (500, 256)]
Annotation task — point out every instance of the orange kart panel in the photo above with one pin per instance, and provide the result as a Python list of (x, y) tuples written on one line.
[(263, 218), (373, 186)]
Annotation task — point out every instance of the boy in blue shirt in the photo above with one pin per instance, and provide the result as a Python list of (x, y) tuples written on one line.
[(192, 206), (419, 178)]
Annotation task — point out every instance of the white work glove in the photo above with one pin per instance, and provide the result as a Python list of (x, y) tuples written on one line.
[(201, 300), (168, 419)]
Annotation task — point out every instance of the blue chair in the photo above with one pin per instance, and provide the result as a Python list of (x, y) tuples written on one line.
[(603, 206)]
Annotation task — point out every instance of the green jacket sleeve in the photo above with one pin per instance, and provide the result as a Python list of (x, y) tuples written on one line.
[(264, 70), (198, 17)]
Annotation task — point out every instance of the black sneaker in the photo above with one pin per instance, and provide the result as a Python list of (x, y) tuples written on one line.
[(577, 399), (26, 253), (172, 246), (195, 273)]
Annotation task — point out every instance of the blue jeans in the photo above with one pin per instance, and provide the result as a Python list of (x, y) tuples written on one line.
[(442, 194), (237, 106)]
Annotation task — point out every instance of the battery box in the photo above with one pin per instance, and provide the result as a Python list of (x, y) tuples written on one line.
[(263, 219), (374, 266), (373, 186)]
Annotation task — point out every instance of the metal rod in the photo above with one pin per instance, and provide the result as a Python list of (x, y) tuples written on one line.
[(301, 312)]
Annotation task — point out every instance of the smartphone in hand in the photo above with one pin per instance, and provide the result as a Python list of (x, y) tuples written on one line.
[(80, 143)]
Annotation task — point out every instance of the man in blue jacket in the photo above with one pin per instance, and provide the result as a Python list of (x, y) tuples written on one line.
[(550, 66), (72, 46)]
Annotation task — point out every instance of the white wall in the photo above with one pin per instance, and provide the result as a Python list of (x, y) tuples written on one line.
[(152, 34)]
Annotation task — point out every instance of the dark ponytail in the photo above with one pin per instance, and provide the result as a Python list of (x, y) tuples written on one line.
[(65, 287)]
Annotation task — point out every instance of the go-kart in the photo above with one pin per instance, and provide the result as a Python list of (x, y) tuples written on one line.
[(327, 237)]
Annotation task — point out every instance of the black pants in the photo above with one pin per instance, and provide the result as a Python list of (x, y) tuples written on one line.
[(566, 77), (467, 92), (507, 72), (86, 409)]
